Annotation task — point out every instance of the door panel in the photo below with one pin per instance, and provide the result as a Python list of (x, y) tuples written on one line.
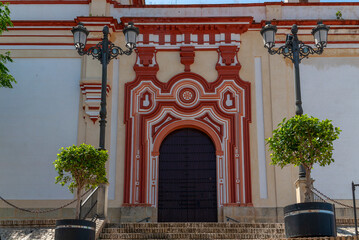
[(187, 178)]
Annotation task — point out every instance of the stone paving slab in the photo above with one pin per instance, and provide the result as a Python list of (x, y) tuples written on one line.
[(345, 231), (14, 232), (27, 233)]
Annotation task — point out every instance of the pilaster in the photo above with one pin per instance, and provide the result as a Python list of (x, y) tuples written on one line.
[(90, 87)]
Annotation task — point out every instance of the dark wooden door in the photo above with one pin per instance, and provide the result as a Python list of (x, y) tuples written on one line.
[(187, 190)]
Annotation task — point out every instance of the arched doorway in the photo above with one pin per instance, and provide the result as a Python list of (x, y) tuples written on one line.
[(187, 189)]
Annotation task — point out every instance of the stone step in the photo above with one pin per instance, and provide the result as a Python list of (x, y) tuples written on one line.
[(188, 236), (195, 230), (209, 238), (197, 225)]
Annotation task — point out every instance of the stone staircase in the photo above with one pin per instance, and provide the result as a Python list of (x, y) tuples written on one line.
[(193, 231)]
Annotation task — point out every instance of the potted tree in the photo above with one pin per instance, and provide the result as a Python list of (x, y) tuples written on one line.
[(81, 167), (304, 140)]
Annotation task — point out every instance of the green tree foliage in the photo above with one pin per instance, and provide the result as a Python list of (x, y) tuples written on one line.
[(6, 79), (82, 167), (303, 140)]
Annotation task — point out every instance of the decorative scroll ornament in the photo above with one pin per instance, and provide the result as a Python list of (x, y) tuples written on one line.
[(146, 63), (228, 63)]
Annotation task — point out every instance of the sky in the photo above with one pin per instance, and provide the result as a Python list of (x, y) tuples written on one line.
[(224, 1)]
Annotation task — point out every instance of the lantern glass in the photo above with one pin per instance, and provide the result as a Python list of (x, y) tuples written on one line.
[(320, 33), (268, 33), (131, 32), (80, 36)]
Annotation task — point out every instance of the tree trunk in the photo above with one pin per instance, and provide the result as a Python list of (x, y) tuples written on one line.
[(78, 203), (308, 186)]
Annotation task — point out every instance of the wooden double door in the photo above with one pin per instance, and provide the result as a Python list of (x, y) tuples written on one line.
[(187, 178)]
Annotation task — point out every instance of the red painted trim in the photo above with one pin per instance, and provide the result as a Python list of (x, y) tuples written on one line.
[(213, 123), (161, 38), (189, 25), (34, 23), (155, 132), (138, 3), (96, 19), (228, 54), (145, 55), (187, 124), (143, 144), (187, 57), (143, 164), (342, 42), (232, 72), (173, 39), (312, 22), (247, 163), (172, 20)]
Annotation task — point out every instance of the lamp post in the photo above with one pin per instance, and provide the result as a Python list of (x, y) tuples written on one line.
[(104, 51), (296, 50)]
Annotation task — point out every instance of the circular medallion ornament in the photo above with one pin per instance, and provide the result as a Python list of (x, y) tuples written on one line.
[(187, 95)]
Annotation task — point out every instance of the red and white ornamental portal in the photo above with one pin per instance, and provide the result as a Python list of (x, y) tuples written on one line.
[(220, 109)]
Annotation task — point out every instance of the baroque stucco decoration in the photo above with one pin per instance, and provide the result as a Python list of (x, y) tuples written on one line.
[(220, 109)]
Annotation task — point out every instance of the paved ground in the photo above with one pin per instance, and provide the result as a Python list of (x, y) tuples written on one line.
[(27, 234), (36, 233), (346, 231), (49, 233)]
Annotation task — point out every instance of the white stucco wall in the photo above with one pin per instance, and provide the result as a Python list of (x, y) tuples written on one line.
[(258, 12), (330, 89), (48, 11), (319, 12), (38, 116)]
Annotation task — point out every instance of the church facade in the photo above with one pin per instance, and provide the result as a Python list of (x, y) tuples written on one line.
[(187, 112)]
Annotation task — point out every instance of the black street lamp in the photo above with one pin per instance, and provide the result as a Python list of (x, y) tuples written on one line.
[(296, 50), (104, 51)]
